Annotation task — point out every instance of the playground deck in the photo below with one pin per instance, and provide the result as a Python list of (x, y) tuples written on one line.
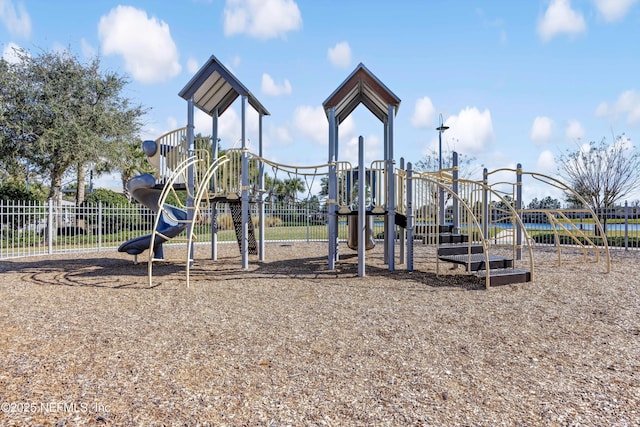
[(84, 341)]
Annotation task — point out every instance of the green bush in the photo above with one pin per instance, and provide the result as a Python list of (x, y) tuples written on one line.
[(127, 216), (17, 192), (107, 197)]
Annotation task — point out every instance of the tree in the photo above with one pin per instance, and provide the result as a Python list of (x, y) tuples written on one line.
[(61, 114), (602, 173), (132, 163), (537, 207), (284, 192), (546, 203), (292, 187), (501, 210), (431, 161)]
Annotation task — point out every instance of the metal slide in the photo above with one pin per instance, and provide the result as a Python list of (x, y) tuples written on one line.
[(172, 220)]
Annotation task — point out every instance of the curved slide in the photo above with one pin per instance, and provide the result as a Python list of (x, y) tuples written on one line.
[(142, 189)]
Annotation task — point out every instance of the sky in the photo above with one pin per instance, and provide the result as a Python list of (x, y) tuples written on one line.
[(516, 81)]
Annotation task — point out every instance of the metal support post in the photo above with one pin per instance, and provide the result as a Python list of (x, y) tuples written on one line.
[(391, 208), (190, 174), (410, 217), (456, 203), (518, 207), (214, 206), (403, 231), (244, 199), (333, 189), (362, 214), (486, 214), (260, 194)]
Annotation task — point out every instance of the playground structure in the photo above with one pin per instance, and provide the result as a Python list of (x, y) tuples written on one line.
[(408, 200)]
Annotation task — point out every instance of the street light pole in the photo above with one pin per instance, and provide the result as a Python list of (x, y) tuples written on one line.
[(441, 128)]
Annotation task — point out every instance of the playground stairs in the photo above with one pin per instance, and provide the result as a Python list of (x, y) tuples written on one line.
[(455, 248), (236, 214)]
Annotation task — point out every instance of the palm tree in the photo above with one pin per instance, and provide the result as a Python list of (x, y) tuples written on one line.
[(292, 187)]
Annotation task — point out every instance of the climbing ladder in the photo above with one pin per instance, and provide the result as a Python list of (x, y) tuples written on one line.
[(236, 215)]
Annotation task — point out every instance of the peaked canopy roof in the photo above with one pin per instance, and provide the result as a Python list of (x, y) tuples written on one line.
[(362, 86), (214, 87)]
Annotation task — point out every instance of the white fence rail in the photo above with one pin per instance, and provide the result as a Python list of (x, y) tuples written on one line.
[(37, 228), (43, 228)]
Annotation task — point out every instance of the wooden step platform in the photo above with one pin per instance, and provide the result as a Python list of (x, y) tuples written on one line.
[(475, 262), (454, 248), (506, 276), (459, 249)]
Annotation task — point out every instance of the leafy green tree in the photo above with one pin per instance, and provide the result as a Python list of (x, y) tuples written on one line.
[(60, 114), (17, 191), (133, 162)]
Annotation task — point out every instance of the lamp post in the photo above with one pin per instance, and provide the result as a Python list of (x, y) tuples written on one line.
[(441, 128)]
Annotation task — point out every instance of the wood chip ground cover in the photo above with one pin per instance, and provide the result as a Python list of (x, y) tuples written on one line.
[(85, 341)]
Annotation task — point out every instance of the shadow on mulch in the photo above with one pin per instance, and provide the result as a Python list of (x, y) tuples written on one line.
[(347, 267), (119, 273), (100, 272)]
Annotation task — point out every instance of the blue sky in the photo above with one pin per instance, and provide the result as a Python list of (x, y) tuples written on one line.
[(516, 81)]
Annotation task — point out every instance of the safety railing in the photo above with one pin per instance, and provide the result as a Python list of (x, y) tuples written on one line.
[(570, 227)]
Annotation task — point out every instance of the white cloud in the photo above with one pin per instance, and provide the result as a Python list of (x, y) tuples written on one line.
[(373, 149), (347, 129), (541, 130), (280, 135), (88, 51), (9, 53), (560, 18), (627, 104), (192, 65), (230, 128), (312, 124), (17, 22), (423, 113), (614, 10), (546, 163), (574, 131), (270, 87), (262, 19), (602, 109), (172, 123), (340, 55), (149, 52), (470, 132)]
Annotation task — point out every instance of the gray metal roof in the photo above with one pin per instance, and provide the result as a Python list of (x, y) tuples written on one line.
[(213, 86), (361, 87)]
